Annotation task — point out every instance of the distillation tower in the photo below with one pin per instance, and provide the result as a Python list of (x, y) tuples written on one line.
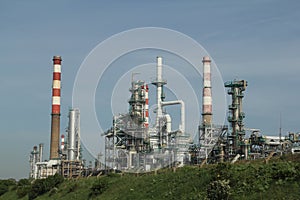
[(71, 163), (236, 117), (170, 146), (36, 157), (127, 141), (131, 144)]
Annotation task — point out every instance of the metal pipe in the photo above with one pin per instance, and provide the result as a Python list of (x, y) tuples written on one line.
[(182, 112), (41, 149), (55, 119), (146, 123), (158, 88)]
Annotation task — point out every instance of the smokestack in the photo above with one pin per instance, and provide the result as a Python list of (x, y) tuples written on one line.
[(207, 98), (55, 119)]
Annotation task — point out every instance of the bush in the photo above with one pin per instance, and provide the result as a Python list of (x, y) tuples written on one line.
[(219, 189), (5, 184), (8, 182), (98, 187), (23, 182), (72, 187), (222, 171), (53, 191), (22, 187), (53, 181), (22, 191), (38, 188), (41, 186), (3, 188)]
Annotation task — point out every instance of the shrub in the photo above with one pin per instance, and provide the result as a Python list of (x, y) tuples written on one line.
[(23, 182), (22, 187), (53, 191), (41, 186), (218, 189), (3, 188), (53, 181), (5, 184), (222, 171), (9, 182), (38, 188), (98, 187), (22, 191), (72, 187)]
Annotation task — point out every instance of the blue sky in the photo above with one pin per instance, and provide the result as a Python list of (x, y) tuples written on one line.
[(253, 40)]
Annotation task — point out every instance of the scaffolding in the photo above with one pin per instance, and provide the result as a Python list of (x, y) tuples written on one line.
[(210, 137), (125, 143), (71, 168)]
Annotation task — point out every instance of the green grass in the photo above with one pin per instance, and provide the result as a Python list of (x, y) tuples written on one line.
[(279, 179)]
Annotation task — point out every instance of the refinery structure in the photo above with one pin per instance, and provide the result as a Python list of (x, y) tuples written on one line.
[(132, 144)]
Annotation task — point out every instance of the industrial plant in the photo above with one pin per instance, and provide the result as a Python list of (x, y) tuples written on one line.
[(132, 144), (65, 156)]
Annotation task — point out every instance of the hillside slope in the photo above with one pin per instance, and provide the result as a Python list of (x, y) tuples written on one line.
[(279, 179)]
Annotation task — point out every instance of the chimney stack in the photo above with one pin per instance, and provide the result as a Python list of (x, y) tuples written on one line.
[(55, 115), (207, 98)]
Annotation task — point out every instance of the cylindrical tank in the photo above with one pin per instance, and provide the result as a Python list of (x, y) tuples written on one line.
[(71, 136), (73, 150)]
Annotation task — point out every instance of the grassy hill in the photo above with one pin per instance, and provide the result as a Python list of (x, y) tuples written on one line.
[(279, 179)]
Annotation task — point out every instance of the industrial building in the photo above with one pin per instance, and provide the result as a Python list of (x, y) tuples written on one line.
[(65, 157), (132, 144)]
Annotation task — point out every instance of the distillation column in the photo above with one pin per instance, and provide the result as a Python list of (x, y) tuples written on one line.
[(55, 115), (236, 116), (74, 135), (146, 112), (159, 89)]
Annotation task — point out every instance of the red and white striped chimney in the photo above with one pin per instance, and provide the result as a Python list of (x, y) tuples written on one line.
[(55, 119), (146, 123), (207, 97)]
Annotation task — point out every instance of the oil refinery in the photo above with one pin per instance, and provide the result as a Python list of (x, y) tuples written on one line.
[(132, 144)]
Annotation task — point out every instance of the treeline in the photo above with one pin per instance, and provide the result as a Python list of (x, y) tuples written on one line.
[(30, 187)]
